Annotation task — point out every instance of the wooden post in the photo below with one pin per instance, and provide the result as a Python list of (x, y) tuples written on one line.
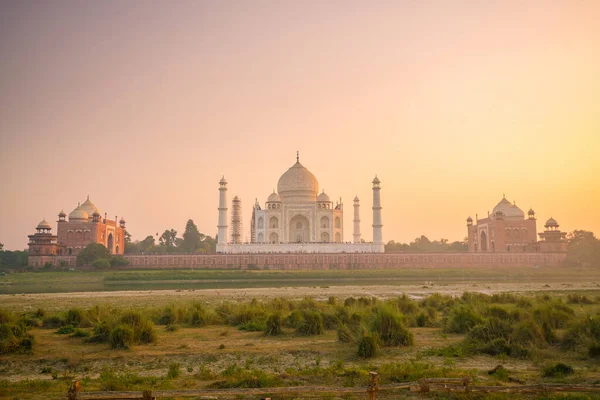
[(147, 395), (73, 390), (373, 386)]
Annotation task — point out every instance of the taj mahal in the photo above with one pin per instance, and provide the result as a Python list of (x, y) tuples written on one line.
[(296, 219)]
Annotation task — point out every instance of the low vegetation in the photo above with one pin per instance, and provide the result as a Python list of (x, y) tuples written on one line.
[(282, 342)]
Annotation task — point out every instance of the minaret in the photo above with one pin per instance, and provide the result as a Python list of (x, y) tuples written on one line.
[(377, 233), (222, 226), (356, 221), (236, 221)]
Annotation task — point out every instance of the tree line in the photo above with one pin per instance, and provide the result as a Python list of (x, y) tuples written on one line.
[(192, 241), (422, 244)]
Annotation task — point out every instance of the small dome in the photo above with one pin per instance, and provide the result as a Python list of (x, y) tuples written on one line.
[(62, 214), (223, 181), (273, 198), (356, 198), (89, 207), (551, 222), (78, 214), (323, 198), (44, 225), (531, 212), (122, 221), (376, 180), (469, 219)]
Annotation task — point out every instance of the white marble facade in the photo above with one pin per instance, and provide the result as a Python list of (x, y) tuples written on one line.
[(296, 218)]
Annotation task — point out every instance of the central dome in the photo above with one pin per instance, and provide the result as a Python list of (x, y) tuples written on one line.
[(298, 184)]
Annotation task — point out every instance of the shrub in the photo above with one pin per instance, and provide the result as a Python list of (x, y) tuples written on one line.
[(64, 330), (15, 339), (312, 324), (197, 316), (345, 335), (53, 321), (422, 320), (91, 253), (75, 317), (101, 263), (171, 328), (558, 370), (594, 351), (556, 315), (294, 320), (406, 305), (118, 261), (80, 333), (390, 330), (253, 326), (462, 319), (368, 345), (273, 325), (6, 317), (144, 332), (174, 371), (528, 333), (121, 337)]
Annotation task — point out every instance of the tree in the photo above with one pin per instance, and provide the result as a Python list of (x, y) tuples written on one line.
[(91, 253), (191, 237), (168, 238), (147, 245), (1, 246), (583, 249), (130, 247)]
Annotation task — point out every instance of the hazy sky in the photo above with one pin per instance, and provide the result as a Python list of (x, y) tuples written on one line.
[(144, 105)]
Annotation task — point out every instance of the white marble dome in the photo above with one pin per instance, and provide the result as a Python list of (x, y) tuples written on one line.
[(298, 184), (273, 198), (324, 198)]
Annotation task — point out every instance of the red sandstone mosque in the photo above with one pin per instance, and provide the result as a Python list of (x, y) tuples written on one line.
[(84, 226), (506, 230)]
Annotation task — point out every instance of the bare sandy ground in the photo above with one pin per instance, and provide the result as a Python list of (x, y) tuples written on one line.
[(51, 301)]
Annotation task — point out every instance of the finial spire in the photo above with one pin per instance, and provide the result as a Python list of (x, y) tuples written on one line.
[(503, 195), (88, 197), (297, 156)]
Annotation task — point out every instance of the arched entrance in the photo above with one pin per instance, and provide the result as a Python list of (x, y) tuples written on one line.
[(110, 243), (298, 229), (483, 241), (261, 238), (493, 246), (325, 237), (274, 237)]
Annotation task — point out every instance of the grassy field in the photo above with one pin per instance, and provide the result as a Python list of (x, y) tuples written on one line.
[(75, 281), (216, 338)]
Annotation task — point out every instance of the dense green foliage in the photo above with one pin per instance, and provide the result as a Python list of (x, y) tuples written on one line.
[(422, 244), (13, 259), (168, 243), (583, 249)]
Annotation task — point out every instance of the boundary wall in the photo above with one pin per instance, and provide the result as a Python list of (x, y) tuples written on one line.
[(320, 261)]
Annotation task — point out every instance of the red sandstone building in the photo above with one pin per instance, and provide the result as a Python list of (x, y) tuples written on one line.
[(84, 226), (507, 230)]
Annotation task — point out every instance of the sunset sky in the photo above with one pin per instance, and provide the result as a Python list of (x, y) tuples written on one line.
[(144, 105)]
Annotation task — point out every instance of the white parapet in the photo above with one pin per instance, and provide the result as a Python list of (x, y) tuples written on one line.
[(300, 248)]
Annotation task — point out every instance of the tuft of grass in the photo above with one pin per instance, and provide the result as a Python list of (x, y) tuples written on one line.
[(65, 330), (368, 345), (558, 370), (174, 370), (121, 337), (312, 324), (273, 326), (390, 329)]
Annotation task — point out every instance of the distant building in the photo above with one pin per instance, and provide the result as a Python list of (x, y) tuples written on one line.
[(507, 230), (297, 218), (83, 227)]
